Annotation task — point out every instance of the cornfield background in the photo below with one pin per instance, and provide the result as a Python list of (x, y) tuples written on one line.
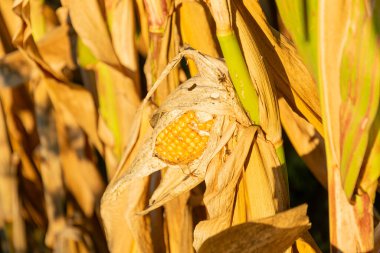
[(159, 126)]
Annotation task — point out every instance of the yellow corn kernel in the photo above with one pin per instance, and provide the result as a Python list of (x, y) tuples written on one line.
[(184, 140)]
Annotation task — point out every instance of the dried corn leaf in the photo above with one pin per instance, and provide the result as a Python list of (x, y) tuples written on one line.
[(142, 41), (24, 41), (10, 201), (272, 234), (37, 19), (8, 26), (79, 103), (306, 244), (292, 78), (360, 93), (73, 240), (306, 141), (15, 70), (221, 181), (179, 224), (259, 200), (50, 166), (207, 92), (300, 19), (92, 29), (197, 32), (55, 65), (21, 125), (118, 102), (240, 214), (54, 50), (263, 170), (219, 100), (121, 22), (163, 46), (275, 173), (116, 86), (124, 230), (265, 87), (81, 176)]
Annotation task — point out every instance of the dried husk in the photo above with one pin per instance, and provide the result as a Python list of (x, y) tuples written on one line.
[(221, 180), (272, 234), (125, 231), (207, 96), (212, 93), (179, 222)]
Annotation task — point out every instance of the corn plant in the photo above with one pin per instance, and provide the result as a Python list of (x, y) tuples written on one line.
[(157, 126)]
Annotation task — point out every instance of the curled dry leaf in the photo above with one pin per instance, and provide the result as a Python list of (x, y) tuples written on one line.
[(53, 51), (272, 234)]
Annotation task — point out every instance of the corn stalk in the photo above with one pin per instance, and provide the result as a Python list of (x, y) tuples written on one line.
[(346, 67)]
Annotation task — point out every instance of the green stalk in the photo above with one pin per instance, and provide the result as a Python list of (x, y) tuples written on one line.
[(240, 75), (238, 69), (108, 105), (106, 93), (244, 87)]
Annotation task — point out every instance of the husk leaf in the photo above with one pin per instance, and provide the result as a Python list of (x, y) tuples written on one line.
[(272, 234)]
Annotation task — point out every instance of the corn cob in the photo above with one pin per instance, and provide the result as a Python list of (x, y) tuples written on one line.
[(185, 139)]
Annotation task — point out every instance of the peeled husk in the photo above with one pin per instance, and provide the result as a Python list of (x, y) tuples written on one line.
[(209, 92)]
